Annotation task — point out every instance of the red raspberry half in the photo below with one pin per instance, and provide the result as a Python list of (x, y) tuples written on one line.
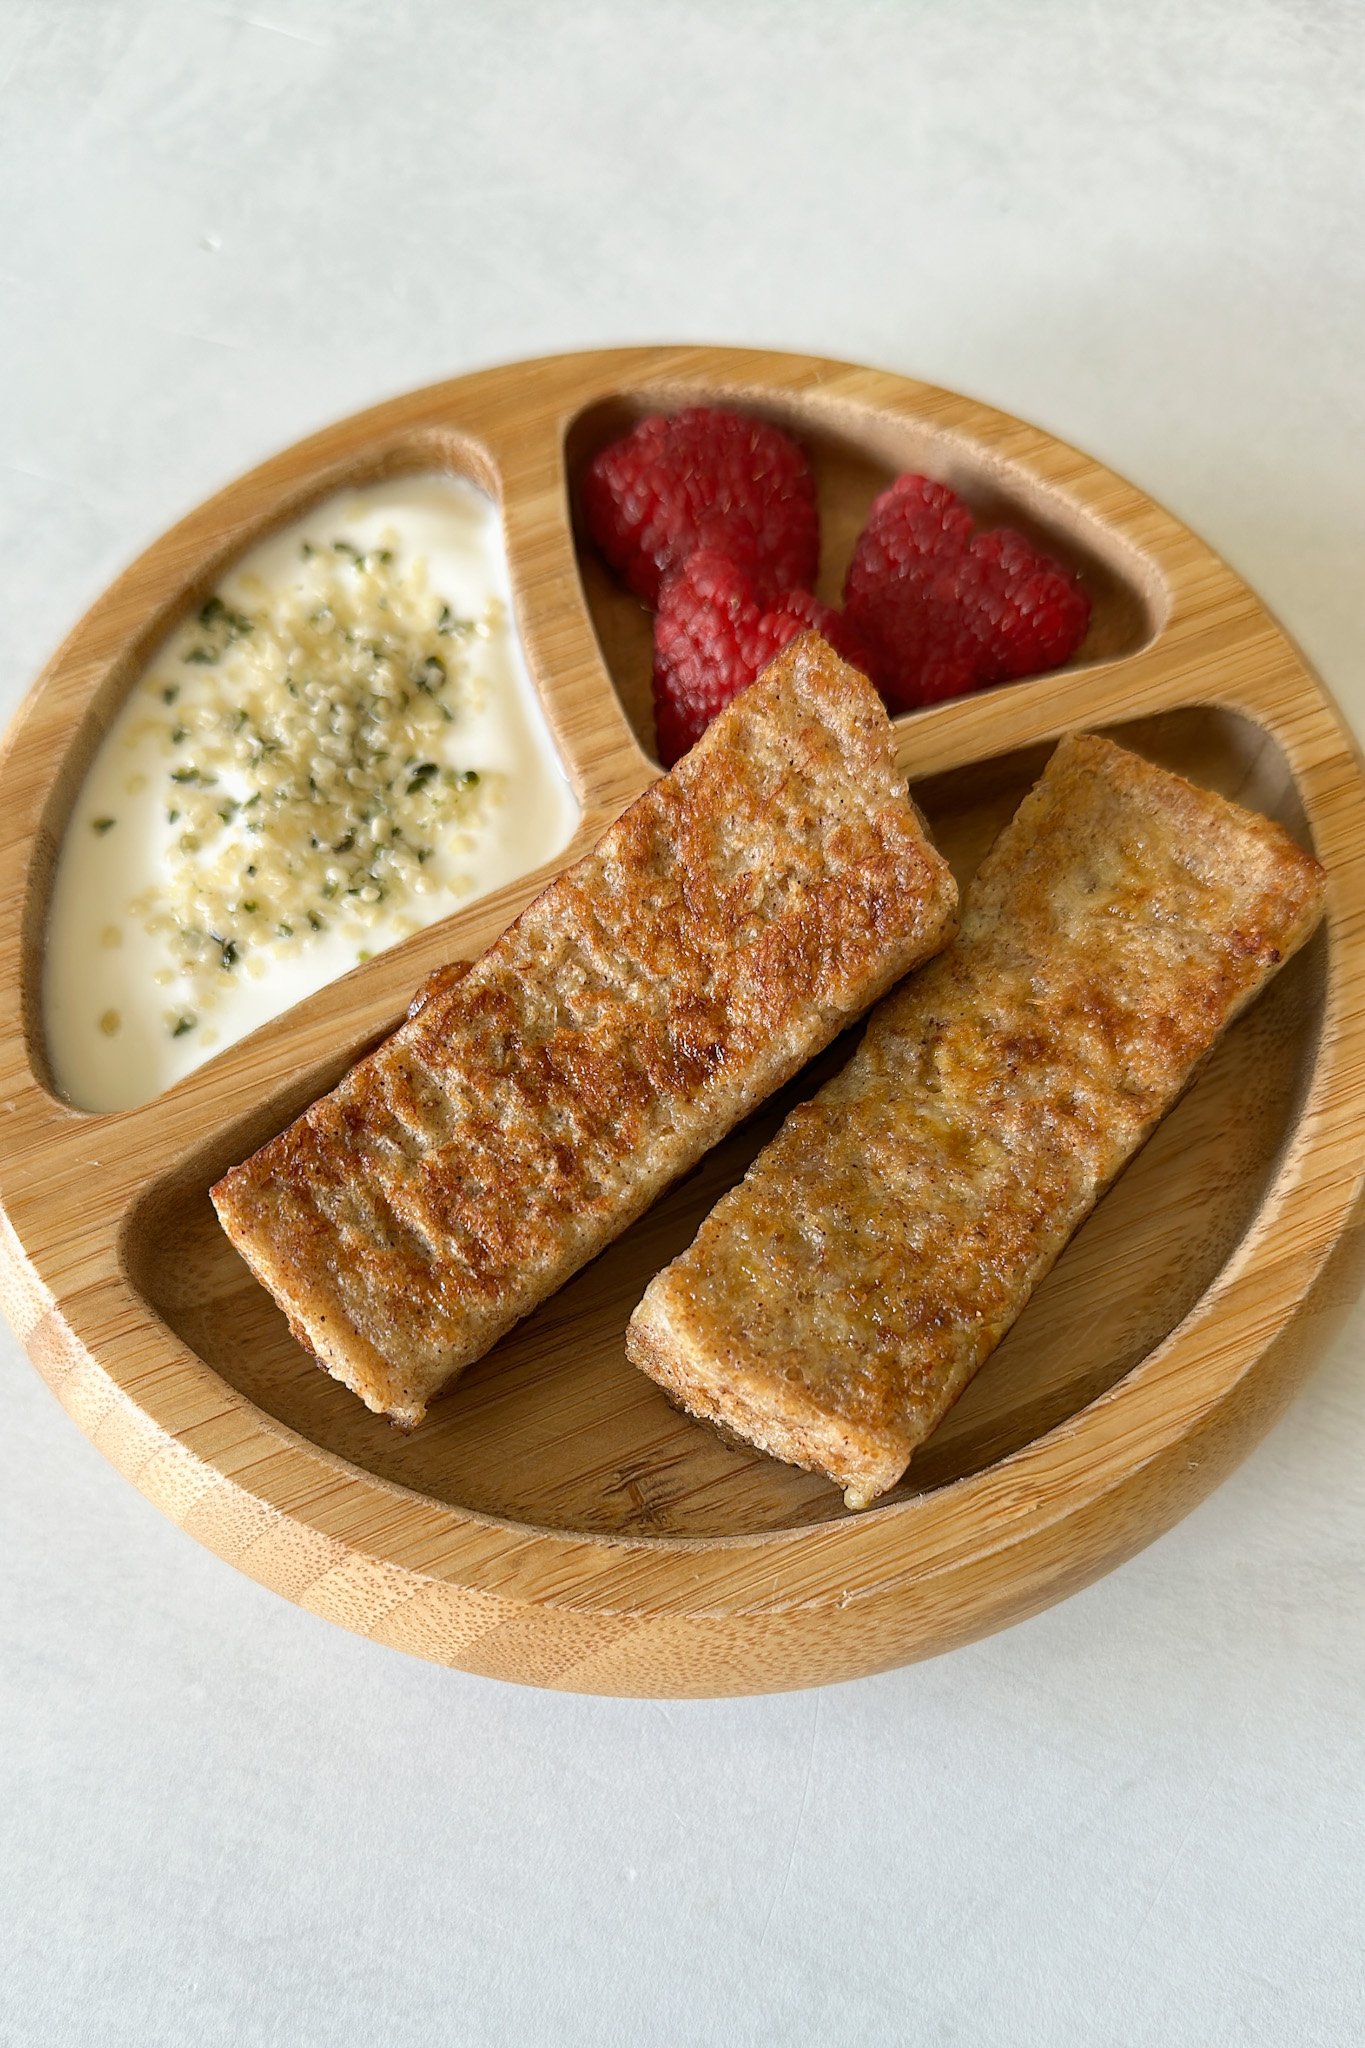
[(704, 480), (848, 640), (943, 610), (712, 635)]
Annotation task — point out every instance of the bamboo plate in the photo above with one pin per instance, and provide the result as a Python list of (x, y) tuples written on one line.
[(555, 1521)]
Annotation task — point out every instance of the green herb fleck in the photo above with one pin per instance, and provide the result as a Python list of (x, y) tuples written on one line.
[(103, 825), (215, 613), (182, 1025), (222, 626)]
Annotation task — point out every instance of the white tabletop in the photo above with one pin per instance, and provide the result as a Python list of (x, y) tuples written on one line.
[(1135, 1822)]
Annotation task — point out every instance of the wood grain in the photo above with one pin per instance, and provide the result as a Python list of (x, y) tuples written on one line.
[(555, 1521)]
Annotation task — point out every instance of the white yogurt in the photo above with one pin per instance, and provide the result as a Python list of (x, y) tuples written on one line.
[(117, 994)]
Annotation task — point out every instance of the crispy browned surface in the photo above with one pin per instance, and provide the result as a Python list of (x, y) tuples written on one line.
[(835, 1304), (436, 983), (731, 922)]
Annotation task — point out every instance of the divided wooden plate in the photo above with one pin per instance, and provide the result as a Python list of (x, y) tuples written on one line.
[(555, 1521)]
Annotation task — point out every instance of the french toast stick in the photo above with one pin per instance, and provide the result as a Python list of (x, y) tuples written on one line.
[(837, 1301), (732, 921)]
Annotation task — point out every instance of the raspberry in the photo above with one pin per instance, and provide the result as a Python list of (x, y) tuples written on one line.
[(712, 635), (943, 610), (848, 640), (912, 518), (704, 480)]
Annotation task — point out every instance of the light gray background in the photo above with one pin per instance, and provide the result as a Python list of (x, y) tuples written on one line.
[(1136, 1822)]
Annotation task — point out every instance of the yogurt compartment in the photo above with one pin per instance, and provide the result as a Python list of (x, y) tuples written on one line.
[(342, 746)]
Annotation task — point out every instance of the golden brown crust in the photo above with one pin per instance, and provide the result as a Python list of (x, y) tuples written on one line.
[(732, 921), (834, 1305), (436, 983)]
